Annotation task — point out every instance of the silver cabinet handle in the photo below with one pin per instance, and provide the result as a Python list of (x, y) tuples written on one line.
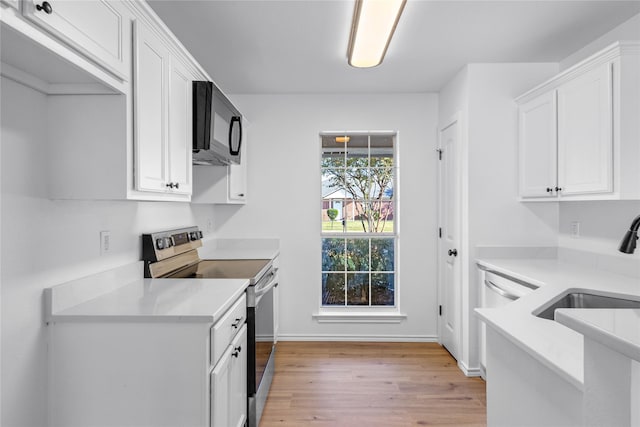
[(497, 289)]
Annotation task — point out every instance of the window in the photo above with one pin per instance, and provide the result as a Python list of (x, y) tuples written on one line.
[(358, 219)]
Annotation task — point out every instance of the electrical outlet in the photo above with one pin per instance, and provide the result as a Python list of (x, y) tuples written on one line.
[(105, 242), (575, 229)]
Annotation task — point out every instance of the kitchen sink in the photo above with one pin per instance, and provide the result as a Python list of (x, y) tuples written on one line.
[(586, 300)]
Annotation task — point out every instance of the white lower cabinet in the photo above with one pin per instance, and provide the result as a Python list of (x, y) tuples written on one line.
[(157, 373), (229, 385)]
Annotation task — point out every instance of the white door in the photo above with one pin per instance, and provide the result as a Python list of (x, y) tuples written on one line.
[(585, 140), (537, 142), (151, 65), (180, 127), (450, 294)]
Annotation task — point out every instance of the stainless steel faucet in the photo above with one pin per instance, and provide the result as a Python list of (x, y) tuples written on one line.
[(628, 244)]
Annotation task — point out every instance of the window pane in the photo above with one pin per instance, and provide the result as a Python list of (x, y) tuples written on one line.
[(382, 289), (333, 258), (357, 289), (358, 255), (357, 182), (381, 150), (333, 152), (332, 199), (382, 254), (333, 288), (358, 151)]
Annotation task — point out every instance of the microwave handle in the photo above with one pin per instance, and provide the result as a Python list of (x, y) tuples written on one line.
[(235, 152)]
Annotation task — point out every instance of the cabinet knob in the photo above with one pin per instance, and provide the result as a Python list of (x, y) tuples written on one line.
[(453, 252), (549, 189), (558, 189), (170, 185), (46, 7), (177, 185), (240, 194), (235, 324), (236, 351)]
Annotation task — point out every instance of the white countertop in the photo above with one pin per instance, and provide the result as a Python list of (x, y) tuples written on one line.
[(553, 344), (159, 300), (616, 329)]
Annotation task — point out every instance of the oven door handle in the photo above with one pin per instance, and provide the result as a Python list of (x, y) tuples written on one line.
[(263, 290)]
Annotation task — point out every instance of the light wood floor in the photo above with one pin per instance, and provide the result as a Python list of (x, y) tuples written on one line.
[(336, 384)]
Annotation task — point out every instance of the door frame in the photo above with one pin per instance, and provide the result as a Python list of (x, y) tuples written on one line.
[(455, 119)]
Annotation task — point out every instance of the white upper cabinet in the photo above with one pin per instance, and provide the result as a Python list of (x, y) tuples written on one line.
[(225, 185), (579, 131), (95, 28), (537, 146), (585, 141), (163, 115), (180, 126), (150, 101)]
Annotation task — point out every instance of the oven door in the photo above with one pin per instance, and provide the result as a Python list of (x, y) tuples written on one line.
[(261, 321)]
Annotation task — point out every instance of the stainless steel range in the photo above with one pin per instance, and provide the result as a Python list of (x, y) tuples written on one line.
[(173, 254)]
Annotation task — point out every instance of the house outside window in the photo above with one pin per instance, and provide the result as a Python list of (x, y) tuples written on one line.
[(359, 228)]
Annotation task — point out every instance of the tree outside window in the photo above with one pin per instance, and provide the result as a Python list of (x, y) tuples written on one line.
[(358, 215)]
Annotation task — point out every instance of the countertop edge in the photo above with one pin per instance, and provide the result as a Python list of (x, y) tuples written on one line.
[(592, 330), (576, 381)]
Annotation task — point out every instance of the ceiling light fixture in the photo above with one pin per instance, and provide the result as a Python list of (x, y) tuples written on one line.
[(343, 139), (374, 22)]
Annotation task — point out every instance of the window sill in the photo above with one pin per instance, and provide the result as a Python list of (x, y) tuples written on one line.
[(359, 317)]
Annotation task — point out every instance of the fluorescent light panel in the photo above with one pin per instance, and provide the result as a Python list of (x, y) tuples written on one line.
[(374, 22)]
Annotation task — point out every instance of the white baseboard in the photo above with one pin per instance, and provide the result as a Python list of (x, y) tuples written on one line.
[(359, 338), (469, 372)]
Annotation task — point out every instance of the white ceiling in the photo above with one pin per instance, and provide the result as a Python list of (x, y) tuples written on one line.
[(299, 46)]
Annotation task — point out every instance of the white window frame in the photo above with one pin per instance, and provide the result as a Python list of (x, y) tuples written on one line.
[(364, 313)]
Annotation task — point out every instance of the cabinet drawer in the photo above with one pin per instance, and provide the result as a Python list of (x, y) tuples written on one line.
[(226, 328)]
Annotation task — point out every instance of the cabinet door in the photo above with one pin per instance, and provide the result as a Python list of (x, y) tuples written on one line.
[(238, 382), (150, 82), (180, 127), (237, 174), (220, 397), (537, 146), (585, 142), (95, 28)]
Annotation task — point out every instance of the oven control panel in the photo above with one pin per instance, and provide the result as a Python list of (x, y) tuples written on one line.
[(165, 244)]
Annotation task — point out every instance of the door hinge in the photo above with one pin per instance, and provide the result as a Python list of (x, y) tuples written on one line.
[(440, 310), (440, 232), (439, 150)]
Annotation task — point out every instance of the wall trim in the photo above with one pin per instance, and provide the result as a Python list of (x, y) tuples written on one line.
[(469, 372), (334, 317), (358, 338)]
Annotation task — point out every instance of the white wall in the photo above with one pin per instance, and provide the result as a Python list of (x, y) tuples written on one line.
[(485, 94), (285, 199), (496, 218), (628, 30), (46, 242)]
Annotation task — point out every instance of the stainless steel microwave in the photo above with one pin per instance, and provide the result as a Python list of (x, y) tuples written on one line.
[(217, 127)]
